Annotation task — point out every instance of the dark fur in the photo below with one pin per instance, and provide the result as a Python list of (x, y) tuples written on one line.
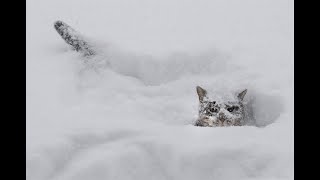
[(213, 114), (71, 37)]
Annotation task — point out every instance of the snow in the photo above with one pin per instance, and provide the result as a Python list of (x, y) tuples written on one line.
[(133, 118)]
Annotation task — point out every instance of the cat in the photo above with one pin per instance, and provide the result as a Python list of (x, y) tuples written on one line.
[(211, 113)]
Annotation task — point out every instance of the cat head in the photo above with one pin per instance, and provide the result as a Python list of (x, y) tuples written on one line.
[(220, 112)]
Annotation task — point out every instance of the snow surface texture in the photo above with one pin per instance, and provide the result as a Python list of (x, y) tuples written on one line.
[(132, 119)]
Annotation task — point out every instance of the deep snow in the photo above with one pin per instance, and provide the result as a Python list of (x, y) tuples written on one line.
[(133, 119)]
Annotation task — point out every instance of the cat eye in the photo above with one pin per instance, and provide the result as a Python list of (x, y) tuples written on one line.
[(230, 109), (213, 109)]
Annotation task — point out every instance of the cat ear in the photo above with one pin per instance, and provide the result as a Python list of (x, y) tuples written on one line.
[(201, 93), (242, 94)]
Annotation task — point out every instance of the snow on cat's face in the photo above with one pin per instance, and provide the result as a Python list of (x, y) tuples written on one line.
[(227, 111)]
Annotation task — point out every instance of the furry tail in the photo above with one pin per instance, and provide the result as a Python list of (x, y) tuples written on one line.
[(73, 38)]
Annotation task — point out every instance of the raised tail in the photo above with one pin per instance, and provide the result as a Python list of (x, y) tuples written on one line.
[(73, 38)]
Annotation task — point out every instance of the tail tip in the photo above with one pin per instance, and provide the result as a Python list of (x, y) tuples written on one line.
[(58, 24)]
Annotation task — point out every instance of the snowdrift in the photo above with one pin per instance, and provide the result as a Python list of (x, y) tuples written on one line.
[(133, 118)]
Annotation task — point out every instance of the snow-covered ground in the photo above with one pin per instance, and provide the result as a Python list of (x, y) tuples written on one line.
[(133, 120)]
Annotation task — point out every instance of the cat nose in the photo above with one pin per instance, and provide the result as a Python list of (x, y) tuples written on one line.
[(222, 116)]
